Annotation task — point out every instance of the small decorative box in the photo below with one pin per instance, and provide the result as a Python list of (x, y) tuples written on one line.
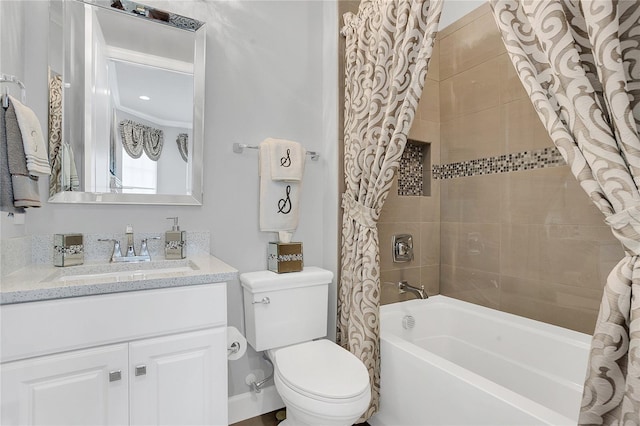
[(68, 249), (284, 257)]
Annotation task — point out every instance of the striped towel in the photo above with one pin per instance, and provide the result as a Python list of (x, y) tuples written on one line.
[(32, 139), (25, 185)]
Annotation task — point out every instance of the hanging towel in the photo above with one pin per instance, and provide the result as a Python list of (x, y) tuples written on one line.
[(287, 159), (279, 201), (32, 138), (6, 187), (70, 180), (25, 185)]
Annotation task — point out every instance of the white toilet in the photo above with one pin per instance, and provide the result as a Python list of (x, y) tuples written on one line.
[(320, 382)]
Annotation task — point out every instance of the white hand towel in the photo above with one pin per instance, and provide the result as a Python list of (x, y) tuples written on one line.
[(279, 201), (287, 159), (70, 181), (34, 145)]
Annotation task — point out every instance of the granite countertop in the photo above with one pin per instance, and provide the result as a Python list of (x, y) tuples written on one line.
[(46, 282)]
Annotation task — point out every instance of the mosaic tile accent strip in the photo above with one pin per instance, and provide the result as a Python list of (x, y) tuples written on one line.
[(410, 179), (525, 160)]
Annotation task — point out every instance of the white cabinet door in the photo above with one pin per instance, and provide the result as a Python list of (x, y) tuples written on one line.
[(179, 379), (73, 388)]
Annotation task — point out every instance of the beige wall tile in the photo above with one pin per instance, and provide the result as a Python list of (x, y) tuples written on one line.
[(429, 104), (471, 199), (471, 285), (434, 63), (521, 127), (568, 307), (426, 131), (520, 252), (570, 254), (469, 46), (399, 208), (430, 244), (430, 206), (472, 136), (547, 196), (471, 245), (472, 90)]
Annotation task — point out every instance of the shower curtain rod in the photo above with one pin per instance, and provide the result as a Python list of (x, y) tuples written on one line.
[(239, 147)]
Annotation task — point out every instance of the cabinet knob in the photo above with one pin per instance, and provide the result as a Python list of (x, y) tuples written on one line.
[(264, 301), (115, 375), (141, 370)]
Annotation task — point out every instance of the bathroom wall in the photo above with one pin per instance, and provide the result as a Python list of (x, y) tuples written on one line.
[(527, 241), (418, 215), (271, 71)]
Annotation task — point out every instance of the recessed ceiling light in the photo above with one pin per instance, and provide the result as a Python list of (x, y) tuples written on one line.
[(144, 97)]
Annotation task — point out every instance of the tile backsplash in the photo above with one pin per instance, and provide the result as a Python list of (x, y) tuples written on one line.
[(20, 252)]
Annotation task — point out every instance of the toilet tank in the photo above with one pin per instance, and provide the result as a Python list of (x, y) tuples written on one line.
[(284, 309)]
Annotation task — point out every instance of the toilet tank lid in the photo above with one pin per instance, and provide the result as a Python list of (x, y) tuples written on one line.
[(267, 280)]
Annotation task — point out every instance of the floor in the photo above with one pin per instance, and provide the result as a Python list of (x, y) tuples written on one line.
[(268, 419)]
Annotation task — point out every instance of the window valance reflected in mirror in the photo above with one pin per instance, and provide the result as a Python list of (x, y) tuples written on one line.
[(126, 85)]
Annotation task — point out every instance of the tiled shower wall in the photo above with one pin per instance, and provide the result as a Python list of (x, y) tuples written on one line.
[(415, 215), (528, 242), (506, 225)]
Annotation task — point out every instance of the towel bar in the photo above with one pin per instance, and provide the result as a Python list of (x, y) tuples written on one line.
[(239, 147)]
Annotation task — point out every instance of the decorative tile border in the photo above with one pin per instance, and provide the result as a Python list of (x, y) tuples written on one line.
[(410, 179), (525, 160)]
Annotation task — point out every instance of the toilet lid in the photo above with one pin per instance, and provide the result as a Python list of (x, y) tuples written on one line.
[(322, 368)]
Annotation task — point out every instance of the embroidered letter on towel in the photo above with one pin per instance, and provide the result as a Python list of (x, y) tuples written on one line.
[(287, 159), (279, 200)]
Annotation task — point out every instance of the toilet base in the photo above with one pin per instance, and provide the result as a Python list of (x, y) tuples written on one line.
[(301, 411)]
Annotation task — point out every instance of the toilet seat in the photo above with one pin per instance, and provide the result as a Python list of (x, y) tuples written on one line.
[(321, 370)]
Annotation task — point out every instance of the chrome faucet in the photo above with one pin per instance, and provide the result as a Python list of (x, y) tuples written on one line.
[(403, 287), (130, 256)]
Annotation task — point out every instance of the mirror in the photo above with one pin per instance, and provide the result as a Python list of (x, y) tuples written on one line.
[(126, 102)]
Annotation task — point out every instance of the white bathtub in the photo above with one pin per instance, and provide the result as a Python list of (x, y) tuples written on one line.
[(464, 364)]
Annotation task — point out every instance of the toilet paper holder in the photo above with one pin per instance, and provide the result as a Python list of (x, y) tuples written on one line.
[(233, 349)]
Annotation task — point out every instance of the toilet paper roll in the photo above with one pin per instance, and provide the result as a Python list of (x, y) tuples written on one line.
[(236, 344)]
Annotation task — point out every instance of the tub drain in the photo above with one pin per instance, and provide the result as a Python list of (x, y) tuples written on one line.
[(408, 322)]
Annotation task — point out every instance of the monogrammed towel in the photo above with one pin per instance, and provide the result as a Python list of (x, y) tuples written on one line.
[(286, 159), (279, 200)]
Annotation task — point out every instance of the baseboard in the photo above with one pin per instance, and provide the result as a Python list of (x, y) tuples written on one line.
[(251, 404)]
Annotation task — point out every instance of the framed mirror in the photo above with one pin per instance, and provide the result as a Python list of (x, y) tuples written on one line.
[(126, 104)]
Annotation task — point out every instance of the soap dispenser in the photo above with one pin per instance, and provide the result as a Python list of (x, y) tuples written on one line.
[(175, 246)]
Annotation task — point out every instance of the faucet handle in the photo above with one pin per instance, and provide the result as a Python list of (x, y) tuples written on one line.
[(144, 249), (117, 252)]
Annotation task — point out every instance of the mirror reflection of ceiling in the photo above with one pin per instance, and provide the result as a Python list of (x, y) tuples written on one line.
[(158, 68), (170, 94)]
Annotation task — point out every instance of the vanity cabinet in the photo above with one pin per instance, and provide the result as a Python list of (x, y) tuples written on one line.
[(143, 357), (71, 388)]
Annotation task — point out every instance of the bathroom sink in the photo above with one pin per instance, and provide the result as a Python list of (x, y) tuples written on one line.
[(119, 272)]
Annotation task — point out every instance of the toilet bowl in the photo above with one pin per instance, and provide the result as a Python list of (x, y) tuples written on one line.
[(320, 384), (286, 315)]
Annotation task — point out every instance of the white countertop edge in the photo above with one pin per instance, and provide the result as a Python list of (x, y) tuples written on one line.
[(212, 270)]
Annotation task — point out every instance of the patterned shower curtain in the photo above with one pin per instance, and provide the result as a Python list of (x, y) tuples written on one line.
[(580, 63), (388, 47)]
